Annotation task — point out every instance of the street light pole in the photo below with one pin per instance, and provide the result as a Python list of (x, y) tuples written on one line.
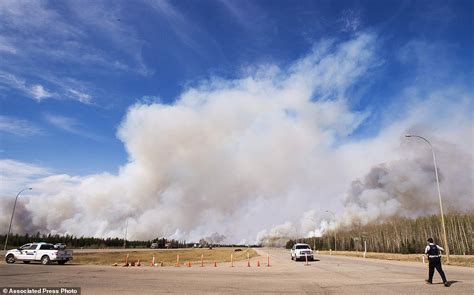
[(125, 236), (335, 240), (13, 212), (439, 193)]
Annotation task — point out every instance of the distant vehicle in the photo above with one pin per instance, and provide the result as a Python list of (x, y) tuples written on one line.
[(154, 246), (300, 251), (42, 252)]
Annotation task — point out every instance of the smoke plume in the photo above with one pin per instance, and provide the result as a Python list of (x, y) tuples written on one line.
[(266, 154)]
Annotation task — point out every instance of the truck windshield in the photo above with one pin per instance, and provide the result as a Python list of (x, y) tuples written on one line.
[(302, 247)]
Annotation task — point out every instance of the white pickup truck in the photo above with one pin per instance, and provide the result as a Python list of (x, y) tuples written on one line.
[(301, 251), (43, 252)]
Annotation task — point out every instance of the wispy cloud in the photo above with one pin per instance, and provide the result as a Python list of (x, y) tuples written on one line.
[(71, 125), (15, 175), (350, 20), (46, 40), (18, 127), (187, 31), (65, 88), (6, 47), (81, 96), (35, 91)]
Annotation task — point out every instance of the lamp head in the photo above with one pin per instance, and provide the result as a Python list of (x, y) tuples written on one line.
[(408, 135)]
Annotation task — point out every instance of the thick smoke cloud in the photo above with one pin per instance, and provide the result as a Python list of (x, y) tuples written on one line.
[(240, 157), (407, 187)]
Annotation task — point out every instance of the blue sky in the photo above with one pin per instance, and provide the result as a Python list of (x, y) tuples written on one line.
[(69, 71), (202, 117)]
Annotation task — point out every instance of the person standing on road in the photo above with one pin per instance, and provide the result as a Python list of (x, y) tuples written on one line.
[(433, 252)]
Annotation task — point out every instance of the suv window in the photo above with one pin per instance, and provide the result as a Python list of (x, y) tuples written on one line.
[(303, 247), (47, 247), (26, 246), (32, 247)]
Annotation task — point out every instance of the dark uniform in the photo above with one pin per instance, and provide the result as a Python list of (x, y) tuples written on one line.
[(433, 252)]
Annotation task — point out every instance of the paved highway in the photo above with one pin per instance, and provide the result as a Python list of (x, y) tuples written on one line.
[(329, 275)]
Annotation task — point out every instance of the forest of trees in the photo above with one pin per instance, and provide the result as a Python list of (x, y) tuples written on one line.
[(400, 235), (15, 240)]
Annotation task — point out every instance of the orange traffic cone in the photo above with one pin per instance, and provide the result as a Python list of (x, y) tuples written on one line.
[(215, 263), (258, 263), (268, 260), (138, 263), (126, 261), (248, 263), (189, 264), (153, 261), (231, 260), (177, 260), (202, 260)]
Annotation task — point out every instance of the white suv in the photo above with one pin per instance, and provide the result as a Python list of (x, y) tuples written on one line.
[(300, 251)]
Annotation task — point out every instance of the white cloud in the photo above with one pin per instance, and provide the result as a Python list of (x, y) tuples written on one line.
[(38, 92), (18, 127), (237, 157)]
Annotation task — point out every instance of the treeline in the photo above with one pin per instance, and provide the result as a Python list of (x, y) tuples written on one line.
[(400, 235), (71, 241)]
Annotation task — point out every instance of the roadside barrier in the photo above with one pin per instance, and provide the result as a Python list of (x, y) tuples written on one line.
[(189, 263)]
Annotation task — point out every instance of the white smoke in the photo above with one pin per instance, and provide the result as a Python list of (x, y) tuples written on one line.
[(236, 157)]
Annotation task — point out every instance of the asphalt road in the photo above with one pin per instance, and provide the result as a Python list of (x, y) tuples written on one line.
[(329, 275)]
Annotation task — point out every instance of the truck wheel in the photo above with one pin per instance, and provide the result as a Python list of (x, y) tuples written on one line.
[(45, 260), (61, 262), (10, 258)]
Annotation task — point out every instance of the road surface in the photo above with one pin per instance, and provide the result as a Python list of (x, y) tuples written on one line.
[(329, 275)]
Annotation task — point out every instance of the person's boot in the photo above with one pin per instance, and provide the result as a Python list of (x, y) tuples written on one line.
[(428, 282)]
